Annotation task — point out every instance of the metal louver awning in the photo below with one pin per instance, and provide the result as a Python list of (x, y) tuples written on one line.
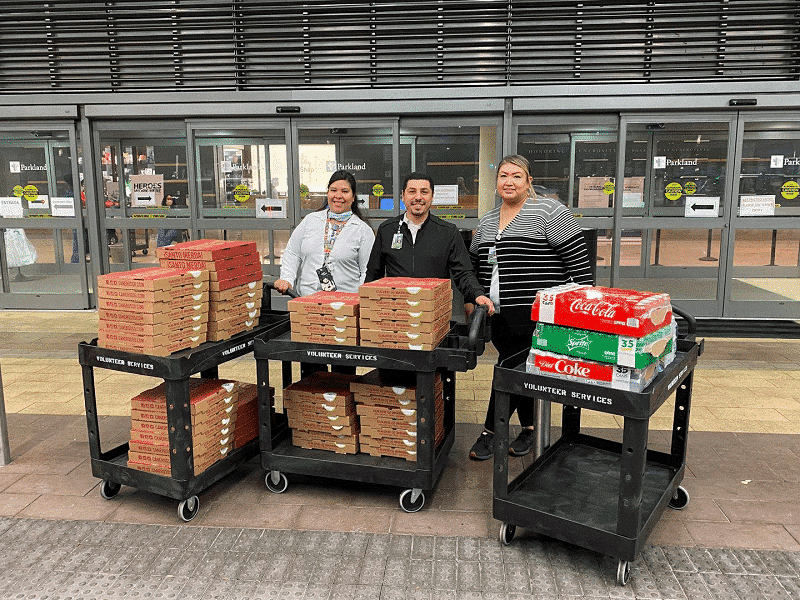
[(91, 47)]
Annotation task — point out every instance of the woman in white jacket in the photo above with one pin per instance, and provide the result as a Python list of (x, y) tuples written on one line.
[(330, 248)]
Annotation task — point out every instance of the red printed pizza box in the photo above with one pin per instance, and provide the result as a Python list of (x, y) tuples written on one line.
[(405, 336), (243, 310), (152, 330), (211, 265), (149, 448), (407, 315), (397, 387), (237, 303), (328, 420), (330, 339), (196, 312), (405, 304), (248, 392), (378, 447), (610, 310), (218, 336), (413, 324), (231, 322), (327, 329), (406, 287), (218, 286), (326, 303), (321, 388), (150, 468), (252, 290), (299, 319), (206, 249), (225, 416), (152, 307), (343, 428), (399, 345), (151, 278), (319, 408), (149, 350), (151, 296), (373, 422), (588, 371), (135, 340), (157, 436), (379, 411), (390, 434), (244, 439), (153, 459), (237, 271), (312, 439)]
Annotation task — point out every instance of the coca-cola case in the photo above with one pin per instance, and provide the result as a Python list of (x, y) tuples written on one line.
[(610, 310)]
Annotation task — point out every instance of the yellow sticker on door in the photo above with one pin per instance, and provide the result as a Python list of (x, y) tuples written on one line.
[(790, 190), (673, 191)]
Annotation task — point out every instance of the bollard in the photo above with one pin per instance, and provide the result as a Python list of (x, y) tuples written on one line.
[(5, 451)]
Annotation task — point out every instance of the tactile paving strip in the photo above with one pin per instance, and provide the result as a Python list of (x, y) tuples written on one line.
[(84, 559)]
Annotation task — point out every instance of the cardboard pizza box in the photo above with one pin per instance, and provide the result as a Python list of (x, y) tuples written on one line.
[(298, 319), (219, 286), (150, 468), (206, 250), (197, 313), (326, 330), (315, 440), (405, 336), (151, 278), (610, 310), (406, 287), (407, 315), (142, 329), (252, 290), (150, 296), (331, 339), (327, 303), (407, 304), (223, 264)]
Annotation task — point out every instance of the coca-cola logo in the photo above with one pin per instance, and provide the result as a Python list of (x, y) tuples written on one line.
[(571, 368), (597, 309), (565, 367)]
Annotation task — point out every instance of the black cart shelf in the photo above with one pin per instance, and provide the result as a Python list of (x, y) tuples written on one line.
[(175, 370), (459, 351), (595, 493)]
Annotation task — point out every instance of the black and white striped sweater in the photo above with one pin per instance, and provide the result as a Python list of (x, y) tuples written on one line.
[(542, 247)]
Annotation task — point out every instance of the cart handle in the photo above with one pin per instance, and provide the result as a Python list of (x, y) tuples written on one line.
[(270, 285), (476, 326), (690, 321)]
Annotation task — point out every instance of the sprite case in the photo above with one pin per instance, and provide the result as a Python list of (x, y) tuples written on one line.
[(610, 348)]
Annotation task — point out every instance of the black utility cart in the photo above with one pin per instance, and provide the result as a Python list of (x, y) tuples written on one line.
[(602, 495), (459, 351), (175, 370)]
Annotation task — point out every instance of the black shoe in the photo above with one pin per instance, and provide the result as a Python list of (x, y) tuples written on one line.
[(524, 442), (483, 449)]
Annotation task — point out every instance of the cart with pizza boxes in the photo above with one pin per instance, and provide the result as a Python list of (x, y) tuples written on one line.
[(203, 307), (385, 413), (609, 350)]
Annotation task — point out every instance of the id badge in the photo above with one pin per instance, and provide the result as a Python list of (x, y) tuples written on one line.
[(492, 260), (397, 241), (326, 279)]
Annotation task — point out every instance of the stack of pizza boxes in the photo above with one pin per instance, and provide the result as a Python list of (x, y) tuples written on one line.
[(235, 276), (155, 311), (602, 336), (224, 417), (322, 413), (386, 402), (325, 318), (404, 312), (213, 416)]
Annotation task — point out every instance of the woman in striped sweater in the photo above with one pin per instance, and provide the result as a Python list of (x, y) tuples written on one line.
[(526, 244)]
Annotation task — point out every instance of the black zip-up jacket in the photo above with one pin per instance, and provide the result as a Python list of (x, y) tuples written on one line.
[(439, 253)]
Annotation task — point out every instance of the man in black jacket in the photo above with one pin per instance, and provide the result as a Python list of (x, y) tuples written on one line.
[(419, 244)]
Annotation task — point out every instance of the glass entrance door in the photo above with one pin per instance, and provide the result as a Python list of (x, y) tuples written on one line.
[(44, 246), (764, 255)]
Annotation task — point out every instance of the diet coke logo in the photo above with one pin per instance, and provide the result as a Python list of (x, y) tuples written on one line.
[(564, 367), (597, 309)]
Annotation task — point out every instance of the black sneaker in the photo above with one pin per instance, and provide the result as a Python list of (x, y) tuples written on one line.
[(524, 442), (483, 449)]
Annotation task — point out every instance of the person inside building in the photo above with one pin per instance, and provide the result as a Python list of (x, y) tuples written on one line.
[(419, 244), (166, 237), (330, 247), (525, 244)]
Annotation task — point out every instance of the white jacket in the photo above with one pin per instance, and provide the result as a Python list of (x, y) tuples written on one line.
[(305, 252)]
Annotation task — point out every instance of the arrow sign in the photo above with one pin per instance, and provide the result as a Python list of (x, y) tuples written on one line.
[(707, 206)]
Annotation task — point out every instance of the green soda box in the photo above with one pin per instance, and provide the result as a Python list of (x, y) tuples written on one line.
[(610, 348)]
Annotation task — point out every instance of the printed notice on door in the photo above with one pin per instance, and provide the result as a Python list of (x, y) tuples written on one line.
[(756, 206)]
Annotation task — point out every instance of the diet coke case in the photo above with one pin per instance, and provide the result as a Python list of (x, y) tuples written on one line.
[(609, 310)]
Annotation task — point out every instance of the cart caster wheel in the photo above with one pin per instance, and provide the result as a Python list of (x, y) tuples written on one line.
[(680, 499), (623, 572), (276, 482), (109, 489), (188, 509), (145, 251), (409, 504), (507, 531)]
